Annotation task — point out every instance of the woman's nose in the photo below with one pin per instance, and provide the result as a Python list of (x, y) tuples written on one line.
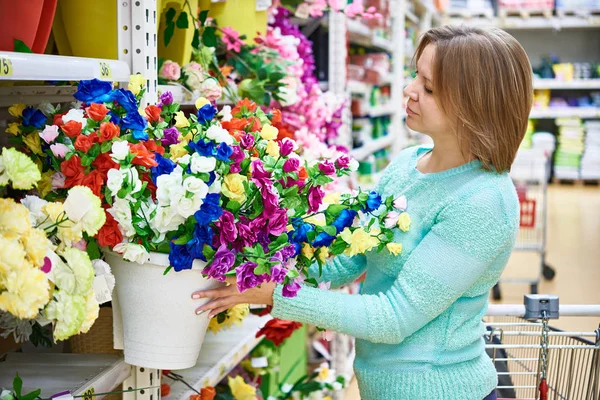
[(410, 92)]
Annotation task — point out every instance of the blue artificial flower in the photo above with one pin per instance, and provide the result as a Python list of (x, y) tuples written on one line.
[(206, 149), (126, 99), (224, 152), (206, 113), (210, 210), (323, 239), (297, 249), (373, 202), (344, 220), (165, 166), (93, 91), (134, 121), (203, 234), (180, 257), (114, 118), (302, 232), (33, 117), (140, 135), (211, 178)]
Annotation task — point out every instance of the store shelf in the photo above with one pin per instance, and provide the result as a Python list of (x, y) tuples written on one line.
[(43, 67), (412, 17), (551, 113), (356, 87), (33, 95), (360, 153), (54, 373), (359, 33), (380, 111), (220, 353), (534, 22), (566, 85)]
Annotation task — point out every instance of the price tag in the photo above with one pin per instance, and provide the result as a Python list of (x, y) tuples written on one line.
[(259, 362), (89, 394), (6, 68), (101, 290), (105, 71), (263, 5)]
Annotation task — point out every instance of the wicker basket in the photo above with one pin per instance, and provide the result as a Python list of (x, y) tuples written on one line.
[(99, 339)]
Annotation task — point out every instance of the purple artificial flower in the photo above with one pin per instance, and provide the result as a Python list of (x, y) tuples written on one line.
[(343, 162), (222, 261), (235, 168), (170, 136), (270, 201), (286, 147), (327, 167), (227, 229), (315, 198), (264, 240), (291, 289), (291, 165), (247, 141), (278, 222), (278, 273), (246, 279), (259, 176), (288, 251), (247, 231), (238, 155), (166, 98)]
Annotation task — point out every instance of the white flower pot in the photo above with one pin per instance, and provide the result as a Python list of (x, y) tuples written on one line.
[(160, 327)]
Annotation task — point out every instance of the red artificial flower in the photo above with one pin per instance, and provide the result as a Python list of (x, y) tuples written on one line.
[(302, 174), (103, 163), (108, 131), (57, 119), (236, 124), (256, 125), (276, 117), (73, 170), (142, 156), (84, 143), (153, 113), (72, 128), (277, 330), (165, 389), (96, 111), (154, 147), (94, 180), (109, 235), (261, 312), (150, 185), (250, 105)]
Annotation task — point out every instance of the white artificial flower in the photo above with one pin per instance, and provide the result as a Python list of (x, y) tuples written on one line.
[(133, 180), (315, 396), (115, 180), (166, 184), (337, 386), (225, 114), (46, 108), (202, 164), (34, 204), (286, 388), (186, 207), (215, 187), (120, 150), (353, 166), (185, 160), (121, 212), (196, 186), (74, 115), (289, 92), (132, 252), (165, 220), (219, 135), (101, 268)]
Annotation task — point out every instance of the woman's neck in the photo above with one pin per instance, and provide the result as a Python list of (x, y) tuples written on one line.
[(443, 156)]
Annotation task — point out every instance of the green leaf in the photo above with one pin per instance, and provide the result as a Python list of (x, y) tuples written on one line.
[(262, 269), (169, 31), (17, 385), (266, 98), (334, 210), (277, 76), (338, 247), (31, 396), (312, 235), (233, 206), (208, 252), (106, 146), (312, 282), (195, 40), (167, 270), (21, 47), (94, 150), (203, 16), (330, 230), (209, 38), (371, 222), (86, 160), (222, 316), (363, 197), (170, 14), (182, 21), (93, 250), (262, 74)]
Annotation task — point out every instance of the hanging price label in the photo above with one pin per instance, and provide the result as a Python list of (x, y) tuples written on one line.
[(6, 68), (105, 71), (89, 394)]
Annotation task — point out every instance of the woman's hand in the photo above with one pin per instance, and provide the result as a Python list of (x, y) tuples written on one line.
[(229, 296)]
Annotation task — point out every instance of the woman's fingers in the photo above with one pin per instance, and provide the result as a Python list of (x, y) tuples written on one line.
[(217, 311), (215, 293), (218, 303)]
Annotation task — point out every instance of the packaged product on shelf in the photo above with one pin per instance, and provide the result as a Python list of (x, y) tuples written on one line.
[(590, 162)]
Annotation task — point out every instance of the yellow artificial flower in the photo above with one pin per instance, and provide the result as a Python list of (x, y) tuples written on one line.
[(272, 148), (201, 102), (235, 316), (45, 184), (308, 251), (177, 151), (233, 187), (85, 209), (269, 132), (324, 372), (55, 212), (67, 231), (13, 260), (14, 217), (33, 141), (14, 128), (318, 220), (180, 120), (27, 291), (240, 389), (67, 312), (332, 198), (404, 222), (394, 248), (92, 309), (16, 110), (327, 398), (185, 139), (323, 254), (19, 169), (360, 241), (136, 83), (36, 245)]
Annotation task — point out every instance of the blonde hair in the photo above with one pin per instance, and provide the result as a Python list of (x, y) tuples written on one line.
[(483, 78)]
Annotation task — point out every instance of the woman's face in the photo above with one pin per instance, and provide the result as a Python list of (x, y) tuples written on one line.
[(423, 113)]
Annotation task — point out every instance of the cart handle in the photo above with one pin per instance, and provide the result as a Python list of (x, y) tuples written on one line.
[(518, 310)]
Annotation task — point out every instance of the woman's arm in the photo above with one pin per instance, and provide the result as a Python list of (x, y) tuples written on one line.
[(459, 249), (339, 271)]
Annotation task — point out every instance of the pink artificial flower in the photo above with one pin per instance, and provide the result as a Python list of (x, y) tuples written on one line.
[(59, 150), (391, 219), (170, 70), (47, 266), (232, 39), (336, 5), (81, 245), (193, 65), (58, 180), (211, 89), (401, 203), (355, 8), (315, 198), (49, 134)]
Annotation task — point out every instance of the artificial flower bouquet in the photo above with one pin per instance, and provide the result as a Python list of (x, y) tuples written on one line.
[(44, 273), (192, 76)]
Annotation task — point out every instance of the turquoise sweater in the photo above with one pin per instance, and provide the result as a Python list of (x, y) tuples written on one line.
[(418, 319)]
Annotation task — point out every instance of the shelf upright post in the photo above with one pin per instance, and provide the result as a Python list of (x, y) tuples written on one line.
[(397, 129), (143, 378)]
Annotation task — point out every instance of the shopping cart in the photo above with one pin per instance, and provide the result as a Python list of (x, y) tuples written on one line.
[(536, 361), (530, 173)]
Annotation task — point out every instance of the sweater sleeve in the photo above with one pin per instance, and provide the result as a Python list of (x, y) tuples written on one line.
[(465, 240), (340, 270)]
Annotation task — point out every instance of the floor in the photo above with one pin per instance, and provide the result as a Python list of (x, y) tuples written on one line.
[(573, 250)]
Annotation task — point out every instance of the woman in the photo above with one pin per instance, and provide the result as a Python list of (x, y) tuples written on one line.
[(418, 318)]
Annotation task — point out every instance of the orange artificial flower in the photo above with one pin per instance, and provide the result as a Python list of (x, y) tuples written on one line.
[(153, 113), (72, 128), (84, 143), (250, 105), (154, 147), (142, 156), (302, 174), (96, 111), (108, 131)]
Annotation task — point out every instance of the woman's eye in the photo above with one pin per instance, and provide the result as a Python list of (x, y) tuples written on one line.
[(429, 91)]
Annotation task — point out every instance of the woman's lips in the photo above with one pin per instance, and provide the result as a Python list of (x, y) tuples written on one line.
[(409, 111)]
